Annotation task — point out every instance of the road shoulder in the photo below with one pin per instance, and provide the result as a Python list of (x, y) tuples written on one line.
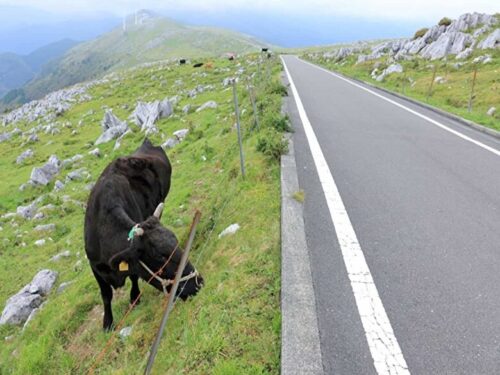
[(300, 350)]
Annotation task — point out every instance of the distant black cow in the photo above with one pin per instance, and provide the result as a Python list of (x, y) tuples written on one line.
[(264, 49), (197, 65), (182, 61), (123, 234)]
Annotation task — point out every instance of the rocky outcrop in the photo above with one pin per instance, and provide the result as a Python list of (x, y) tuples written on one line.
[(112, 128), (44, 175), (447, 43), (491, 41), (20, 306), (145, 115), (459, 38)]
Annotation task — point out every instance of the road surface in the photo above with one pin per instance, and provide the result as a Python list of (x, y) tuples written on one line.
[(402, 219)]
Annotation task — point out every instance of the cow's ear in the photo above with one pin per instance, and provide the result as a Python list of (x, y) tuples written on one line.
[(124, 259)]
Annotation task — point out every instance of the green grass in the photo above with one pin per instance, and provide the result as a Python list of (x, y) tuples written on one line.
[(233, 324), (452, 95)]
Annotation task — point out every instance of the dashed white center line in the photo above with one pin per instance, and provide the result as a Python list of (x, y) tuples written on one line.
[(384, 347)]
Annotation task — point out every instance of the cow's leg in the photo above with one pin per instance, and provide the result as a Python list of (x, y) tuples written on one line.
[(107, 296), (134, 291)]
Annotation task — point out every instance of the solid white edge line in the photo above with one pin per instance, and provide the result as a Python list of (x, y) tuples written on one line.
[(432, 121), (383, 345)]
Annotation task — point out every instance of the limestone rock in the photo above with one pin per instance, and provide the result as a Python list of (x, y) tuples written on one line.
[(112, 127), (233, 228), (491, 41), (27, 212), (25, 155), (21, 305), (209, 104), (43, 175), (170, 142)]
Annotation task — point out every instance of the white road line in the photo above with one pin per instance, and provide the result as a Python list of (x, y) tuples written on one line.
[(434, 122), (384, 347)]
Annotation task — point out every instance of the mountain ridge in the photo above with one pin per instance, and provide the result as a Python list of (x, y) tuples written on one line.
[(143, 37)]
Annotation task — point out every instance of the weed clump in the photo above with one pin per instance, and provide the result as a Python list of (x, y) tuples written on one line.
[(272, 144), (420, 33), (445, 21), (277, 88)]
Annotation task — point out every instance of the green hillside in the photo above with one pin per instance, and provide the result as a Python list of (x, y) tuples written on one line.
[(233, 325), (150, 38)]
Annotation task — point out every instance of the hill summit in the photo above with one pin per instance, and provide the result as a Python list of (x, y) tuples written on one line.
[(143, 37)]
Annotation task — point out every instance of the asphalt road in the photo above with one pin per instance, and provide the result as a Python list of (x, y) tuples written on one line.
[(425, 206)]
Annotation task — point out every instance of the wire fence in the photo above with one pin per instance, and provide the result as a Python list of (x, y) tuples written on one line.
[(252, 95)]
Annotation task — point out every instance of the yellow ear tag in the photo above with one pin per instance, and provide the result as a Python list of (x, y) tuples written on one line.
[(123, 266)]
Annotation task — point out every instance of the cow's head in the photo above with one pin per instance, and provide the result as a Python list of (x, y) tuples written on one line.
[(152, 245)]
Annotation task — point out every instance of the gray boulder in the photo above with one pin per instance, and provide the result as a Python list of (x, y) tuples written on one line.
[(186, 109), (112, 127), (58, 257), (145, 115), (25, 155), (58, 185), (181, 134), (72, 160), (77, 175), (19, 308), (5, 137), (45, 174), (27, 212), (42, 283), (209, 104), (21, 305), (170, 142), (95, 152)]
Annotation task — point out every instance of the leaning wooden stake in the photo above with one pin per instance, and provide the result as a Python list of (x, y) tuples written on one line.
[(469, 107), (171, 296)]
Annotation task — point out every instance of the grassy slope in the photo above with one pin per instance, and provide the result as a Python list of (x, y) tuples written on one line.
[(233, 325), (452, 96), (158, 39)]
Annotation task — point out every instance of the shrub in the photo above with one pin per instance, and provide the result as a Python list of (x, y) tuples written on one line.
[(420, 33), (277, 122), (445, 21), (272, 145), (276, 87)]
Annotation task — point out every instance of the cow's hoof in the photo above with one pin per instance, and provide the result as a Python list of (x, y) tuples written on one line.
[(108, 326), (138, 302)]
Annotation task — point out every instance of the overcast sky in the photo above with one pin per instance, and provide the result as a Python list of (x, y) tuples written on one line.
[(25, 24), (417, 10)]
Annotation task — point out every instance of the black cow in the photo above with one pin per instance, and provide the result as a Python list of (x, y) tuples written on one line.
[(197, 65), (182, 61), (123, 234)]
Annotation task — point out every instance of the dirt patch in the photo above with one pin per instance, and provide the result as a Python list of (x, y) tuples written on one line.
[(82, 346)]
